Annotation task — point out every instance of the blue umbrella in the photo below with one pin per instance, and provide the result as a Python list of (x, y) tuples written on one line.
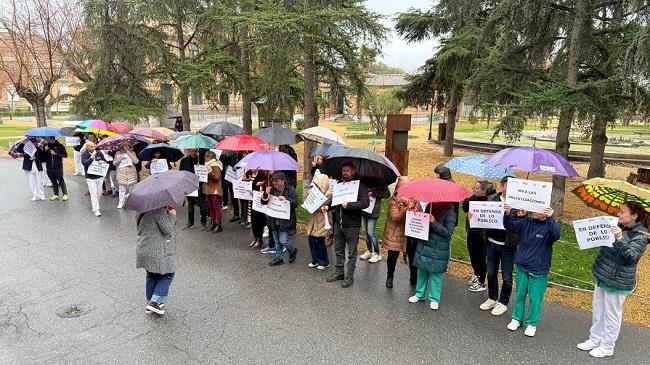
[(473, 165), (44, 132), (169, 153)]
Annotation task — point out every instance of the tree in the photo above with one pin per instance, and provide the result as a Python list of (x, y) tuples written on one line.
[(380, 68), (38, 34), (379, 105)]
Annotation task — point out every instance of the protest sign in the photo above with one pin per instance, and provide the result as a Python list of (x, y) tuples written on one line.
[(71, 141), (257, 202), (345, 192), (107, 157), (217, 153), (195, 193), (595, 232), (486, 215), (530, 195), (417, 225), (242, 189), (332, 183), (202, 172), (277, 208), (158, 166), (126, 161), (29, 149), (371, 206), (314, 200), (97, 168), (230, 174)]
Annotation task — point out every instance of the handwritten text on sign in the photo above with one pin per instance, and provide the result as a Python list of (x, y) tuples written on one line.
[(257, 202), (345, 192), (202, 172), (486, 215), (595, 232), (242, 189), (280, 209), (231, 175), (158, 166), (530, 195), (98, 168), (417, 225), (314, 200)]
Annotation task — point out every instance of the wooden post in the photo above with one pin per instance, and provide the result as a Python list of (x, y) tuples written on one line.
[(397, 128)]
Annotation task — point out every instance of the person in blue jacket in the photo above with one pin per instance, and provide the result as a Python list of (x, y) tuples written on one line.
[(533, 262)]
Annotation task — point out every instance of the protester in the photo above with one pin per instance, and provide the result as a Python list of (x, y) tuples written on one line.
[(90, 155), (280, 227), (126, 174), (258, 219), (533, 260), (187, 163), (476, 239), (54, 153), (228, 159), (369, 223), (319, 225), (292, 179), (347, 223), (157, 155), (501, 246), (78, 166), (212, 191), (316, 164), (615, 274), (32, 166), (245, 208), (155, 253), (394, 239)]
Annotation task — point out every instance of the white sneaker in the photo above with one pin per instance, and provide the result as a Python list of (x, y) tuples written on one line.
[(434, 305), (499, 309), (33, 199), (375, 258), (586, 346), (42, 198), (98, 213), (530, 331), (513, 325), (415, 299), (266, 232), (476, 287), (225, 208), (601, 352), (473, 280), (366, 255), (312, 265), (488, 304), (120, 206), (321, 267)]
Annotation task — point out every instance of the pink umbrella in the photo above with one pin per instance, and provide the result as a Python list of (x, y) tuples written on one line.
[(121, 127), (433, 190), (243, 142), (148, 132)]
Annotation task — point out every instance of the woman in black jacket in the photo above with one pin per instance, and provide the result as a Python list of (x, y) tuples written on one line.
[(476, 239), (54, 154)]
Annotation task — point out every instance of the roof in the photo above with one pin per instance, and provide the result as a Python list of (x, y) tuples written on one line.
[(387, 80)]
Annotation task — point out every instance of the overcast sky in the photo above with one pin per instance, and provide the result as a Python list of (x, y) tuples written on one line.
[(396, 52)]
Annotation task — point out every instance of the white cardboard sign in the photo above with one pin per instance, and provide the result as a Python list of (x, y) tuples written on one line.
[(242, 189), (158, 166), (371, 206), (314, 200), (97, 168), (280, 209), (417, 225), (345, 192), (530, 195), (486, 215), (29, 149), (126, 161), (257, 202), (195, 193), (595, 232), (202, 172), (231, 175), (71, 141)]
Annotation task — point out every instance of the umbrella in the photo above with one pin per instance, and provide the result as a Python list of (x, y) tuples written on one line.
[(243, 142), (164, 131), (194, 141), (433, 190), (268, 160), (472, 165), (44, 132), (532, 159), (97, 126), (221, 129), (371, 167), (174, 136), (321, 135), (278, 135), (169, 153), (121, 127), (326, 149), (157, 191), (115, 142), (607, 195), (148, 132)]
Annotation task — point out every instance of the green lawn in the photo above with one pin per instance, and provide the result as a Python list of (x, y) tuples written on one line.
[(568, 259), (12, 132)]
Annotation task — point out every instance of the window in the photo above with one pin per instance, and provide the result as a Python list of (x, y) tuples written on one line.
[(193, 50), (197, 98), (326, 97), (167, 93), (64, 92), (224, 98)]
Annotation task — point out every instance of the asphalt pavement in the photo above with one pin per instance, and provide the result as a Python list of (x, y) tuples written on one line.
[(70, 294)]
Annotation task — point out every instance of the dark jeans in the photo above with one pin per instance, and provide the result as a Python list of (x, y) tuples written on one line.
[(193, 202), (506, 256), (158, 286), (411, 245), (346, 237), (258, 222), (476, 248), (243, 204), (56, 177), (391, 262), (318, 251)]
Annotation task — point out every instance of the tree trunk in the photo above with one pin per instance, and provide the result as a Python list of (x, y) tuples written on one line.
[(452, 117), (184, 91), (310, 112), (247, 119), (39, 107), (185, 111), (598, 142), (562, 143)]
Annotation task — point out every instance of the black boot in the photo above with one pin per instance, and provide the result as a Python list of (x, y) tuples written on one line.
[(213, 226), (389, 282), (217, 229)]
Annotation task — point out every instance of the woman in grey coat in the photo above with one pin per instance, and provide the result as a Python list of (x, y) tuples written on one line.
[(155, 254)]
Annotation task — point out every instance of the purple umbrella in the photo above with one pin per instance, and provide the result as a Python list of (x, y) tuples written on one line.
[(268, 160), (157, 191), (114, 143), (532, 159)]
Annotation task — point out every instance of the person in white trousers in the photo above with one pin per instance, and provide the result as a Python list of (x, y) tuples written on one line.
[(91, 155), (78, 167), (615, 274), (33, 169)]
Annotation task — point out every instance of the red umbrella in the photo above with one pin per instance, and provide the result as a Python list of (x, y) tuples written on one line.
[(243, 142), (148, 132), (433, 190), (120, 127)]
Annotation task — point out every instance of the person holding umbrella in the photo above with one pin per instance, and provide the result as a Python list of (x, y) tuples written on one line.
[(31, 163), (157, 155), (55, 153), (369, 223), (280, 227), (615, 271), (126, 175), (347, 223), (476, 238), (212, 191), (90, 155)]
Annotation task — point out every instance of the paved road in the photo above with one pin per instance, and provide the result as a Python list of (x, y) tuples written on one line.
[(227, 306)]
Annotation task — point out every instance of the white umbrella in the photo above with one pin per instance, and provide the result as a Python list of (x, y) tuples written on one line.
[(321, 135)]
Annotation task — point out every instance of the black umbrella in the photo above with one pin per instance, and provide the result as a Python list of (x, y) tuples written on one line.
[(169, 153), (327, 149), (278, 135), (221, 129), (373, 169)]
